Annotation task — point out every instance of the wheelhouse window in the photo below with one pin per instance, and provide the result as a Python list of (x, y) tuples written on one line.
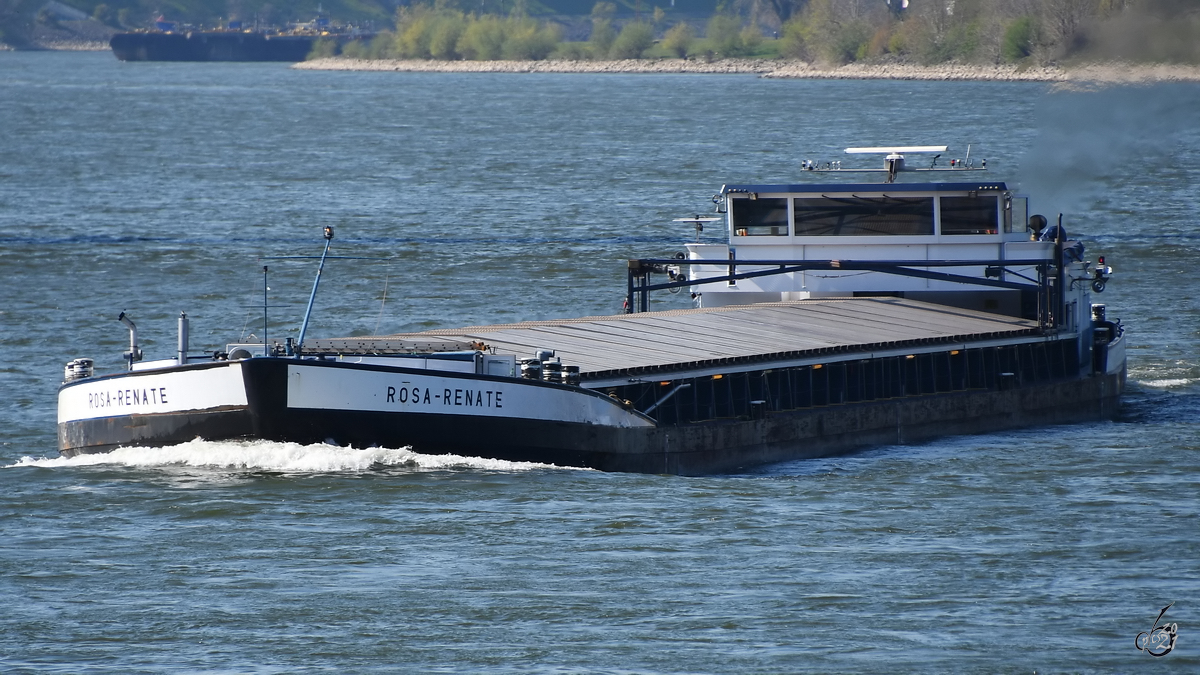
[(863, 216), (970, 215), (762, 217)]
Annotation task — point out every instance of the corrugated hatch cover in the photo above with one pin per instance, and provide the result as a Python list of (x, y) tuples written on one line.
[(671, 340)]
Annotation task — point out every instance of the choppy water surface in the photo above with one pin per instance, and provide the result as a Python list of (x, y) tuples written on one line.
[(156, 188)]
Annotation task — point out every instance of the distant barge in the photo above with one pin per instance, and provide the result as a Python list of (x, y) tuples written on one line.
[(210, 46), (836, 316), (231, 44)]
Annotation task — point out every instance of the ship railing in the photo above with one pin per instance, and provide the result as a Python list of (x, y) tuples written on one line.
[(996, 275)]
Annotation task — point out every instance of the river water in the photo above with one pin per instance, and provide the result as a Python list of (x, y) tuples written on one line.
[(482, 198)]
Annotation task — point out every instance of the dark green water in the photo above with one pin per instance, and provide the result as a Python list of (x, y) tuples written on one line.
[(156, 188)]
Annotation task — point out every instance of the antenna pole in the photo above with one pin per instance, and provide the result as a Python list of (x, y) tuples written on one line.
[(266, 343), (1061, 300), (313, 295), (382, 303)]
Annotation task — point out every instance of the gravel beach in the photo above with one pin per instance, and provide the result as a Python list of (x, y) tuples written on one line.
[(1098, 73)]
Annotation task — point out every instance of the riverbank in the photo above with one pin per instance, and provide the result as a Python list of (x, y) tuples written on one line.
[(1099, 73), (65, 35)]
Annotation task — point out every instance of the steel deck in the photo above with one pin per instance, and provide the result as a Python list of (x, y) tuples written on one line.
[(680, 339)]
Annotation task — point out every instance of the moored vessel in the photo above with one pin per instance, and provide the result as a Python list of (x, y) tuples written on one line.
[(211, 46), (169, 42), (835, 315)]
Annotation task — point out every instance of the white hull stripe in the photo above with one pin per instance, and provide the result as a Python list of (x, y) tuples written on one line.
[(167, 392), (380, 391)]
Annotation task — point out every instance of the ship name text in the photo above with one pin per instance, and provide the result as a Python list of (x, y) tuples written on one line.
[(123, 398), (468, 398)]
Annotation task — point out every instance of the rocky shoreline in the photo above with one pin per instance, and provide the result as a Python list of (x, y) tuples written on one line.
[(1114, 73), (71, 46), (66, 35)]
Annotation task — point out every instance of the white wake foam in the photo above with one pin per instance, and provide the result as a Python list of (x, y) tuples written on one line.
[(282, 457), (1166, 383)]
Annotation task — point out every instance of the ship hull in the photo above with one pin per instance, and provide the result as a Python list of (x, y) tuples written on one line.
[(223, 46), (305, 402), (503, 418)]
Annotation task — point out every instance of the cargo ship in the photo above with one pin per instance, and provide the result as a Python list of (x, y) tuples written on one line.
[(231, 43), (832, 316)]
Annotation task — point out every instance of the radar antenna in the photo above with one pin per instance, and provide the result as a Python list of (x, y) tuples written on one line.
[(894, 160), (698, 222)]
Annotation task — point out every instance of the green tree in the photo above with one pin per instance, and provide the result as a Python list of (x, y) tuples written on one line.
[(445, 32), (382, 46), (724, 35), (634, 40), (603, 33), (751, 37), (414, 31), (355, 49), (323, 49), (527, 40), (835, 34), (960, 43), (679, 40), (851, 41), (483, 39), (1018, 40), (603, 36), (572, 51), (795, 39)]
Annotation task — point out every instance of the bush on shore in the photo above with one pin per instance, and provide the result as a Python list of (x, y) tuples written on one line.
[(633, 41), (724, 36), (423, 32), (678, 41), (603, 33), (1018, 39), (382, 46), (829, 32)]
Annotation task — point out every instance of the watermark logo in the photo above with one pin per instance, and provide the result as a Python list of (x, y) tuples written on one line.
[(1159, 640)]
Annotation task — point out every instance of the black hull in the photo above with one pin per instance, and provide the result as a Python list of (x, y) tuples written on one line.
[(211, 47), (689, 449), (109, 433)]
